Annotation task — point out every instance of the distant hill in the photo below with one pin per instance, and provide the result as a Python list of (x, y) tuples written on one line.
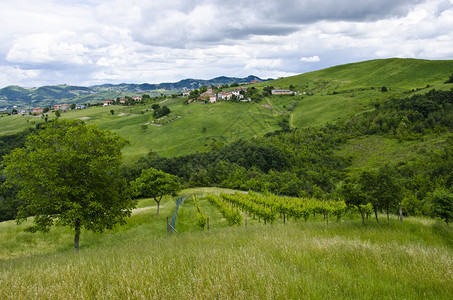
[(49, 95)]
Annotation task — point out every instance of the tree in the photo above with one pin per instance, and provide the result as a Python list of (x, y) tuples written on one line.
[(383, 188), (57, 113), (450, 80), (73, 106), (69, 175), (112, 112), (355, 197), (160, 112), (442, 204), (156, 184)]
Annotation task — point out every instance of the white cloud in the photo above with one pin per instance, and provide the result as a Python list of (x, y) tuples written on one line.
[(152, 41), (45, 48), (310, 59)]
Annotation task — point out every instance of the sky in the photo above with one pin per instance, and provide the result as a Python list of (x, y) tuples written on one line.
[(89, 42)]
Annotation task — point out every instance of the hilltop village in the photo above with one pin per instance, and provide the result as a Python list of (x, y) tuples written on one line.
[(210, 94)]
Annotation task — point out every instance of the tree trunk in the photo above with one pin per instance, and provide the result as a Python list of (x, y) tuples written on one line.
[(388, 218), (158, 204), (375, 213), (363, 217), (77, 235), (401, 212)]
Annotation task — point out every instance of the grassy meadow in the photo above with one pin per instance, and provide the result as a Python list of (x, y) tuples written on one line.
[(314, 260)]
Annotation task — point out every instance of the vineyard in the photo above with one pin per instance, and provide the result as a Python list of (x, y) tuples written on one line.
[(268, 207)]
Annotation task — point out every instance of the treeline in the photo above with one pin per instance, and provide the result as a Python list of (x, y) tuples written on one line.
[(290, 163), (406, 118)]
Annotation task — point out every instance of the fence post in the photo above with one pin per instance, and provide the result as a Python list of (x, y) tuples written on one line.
[(167, 226), (245, 217)]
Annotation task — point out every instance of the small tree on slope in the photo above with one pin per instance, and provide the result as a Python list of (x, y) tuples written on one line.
[(156, 184)]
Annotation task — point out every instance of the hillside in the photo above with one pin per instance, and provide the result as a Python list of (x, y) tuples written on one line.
[(331, 94), (394, 73)]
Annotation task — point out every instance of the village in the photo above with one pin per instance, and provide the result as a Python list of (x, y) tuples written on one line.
[(207, 96), (238, 94)]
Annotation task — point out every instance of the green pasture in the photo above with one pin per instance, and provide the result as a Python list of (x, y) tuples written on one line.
[(394, 73)]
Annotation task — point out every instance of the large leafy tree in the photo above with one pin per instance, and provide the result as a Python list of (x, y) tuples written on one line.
[(68, 175), (156, 184)]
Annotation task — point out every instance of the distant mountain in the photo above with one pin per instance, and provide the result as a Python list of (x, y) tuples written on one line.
[(49, 95)]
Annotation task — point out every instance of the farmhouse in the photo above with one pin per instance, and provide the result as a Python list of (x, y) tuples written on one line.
[(137, 98), (281, 92), (224, 95), (212, 98), (38, 110), (62, 107), (108, 102)]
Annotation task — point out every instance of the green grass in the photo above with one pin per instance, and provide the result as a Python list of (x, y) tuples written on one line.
[(410, 260), (394, 73)]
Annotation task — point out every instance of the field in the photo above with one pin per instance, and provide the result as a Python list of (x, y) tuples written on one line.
[(410, 260)]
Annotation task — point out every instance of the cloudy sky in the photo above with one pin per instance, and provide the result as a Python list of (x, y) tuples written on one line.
[(87, 42)]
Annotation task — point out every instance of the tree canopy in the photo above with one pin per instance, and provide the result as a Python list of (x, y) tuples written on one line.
[(156, 184), (68, 175), (442, 204)]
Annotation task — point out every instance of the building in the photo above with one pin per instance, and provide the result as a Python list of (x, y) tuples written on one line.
[(137, 98), (186, 93), (108, 102), (38, 110), (212, 98), (281, 92), (62, 107), (224, 95)]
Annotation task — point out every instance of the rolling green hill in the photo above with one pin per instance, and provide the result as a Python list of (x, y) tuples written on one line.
[(330, 94), (397, 73)]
